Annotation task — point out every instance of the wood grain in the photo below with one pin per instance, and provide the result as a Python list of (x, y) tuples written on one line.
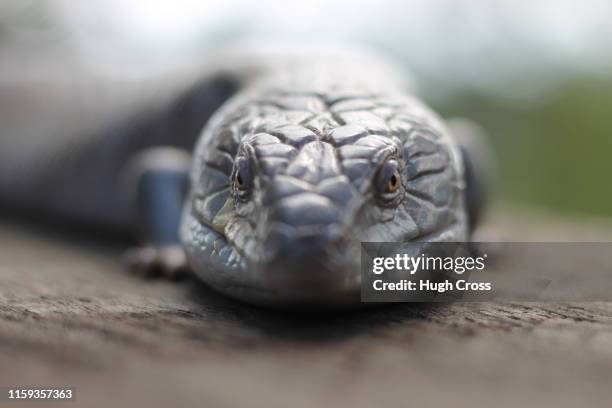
[(70, 316)]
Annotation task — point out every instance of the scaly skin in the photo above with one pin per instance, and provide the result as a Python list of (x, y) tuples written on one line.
[(294, 172)]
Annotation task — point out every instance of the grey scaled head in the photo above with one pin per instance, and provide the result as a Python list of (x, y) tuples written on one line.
[(287, 184)]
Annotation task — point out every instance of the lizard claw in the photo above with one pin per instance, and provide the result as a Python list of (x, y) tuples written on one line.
[(168, 262)]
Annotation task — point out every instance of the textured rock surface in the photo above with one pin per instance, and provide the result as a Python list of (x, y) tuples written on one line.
[(68, 315)]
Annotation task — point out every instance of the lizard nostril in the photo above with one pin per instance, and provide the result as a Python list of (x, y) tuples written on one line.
[(306, 209), (300, 245)]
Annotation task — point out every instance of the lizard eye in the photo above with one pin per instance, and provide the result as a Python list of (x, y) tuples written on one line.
[(239, 181), (388, 180), (242, 178), (393, 183)]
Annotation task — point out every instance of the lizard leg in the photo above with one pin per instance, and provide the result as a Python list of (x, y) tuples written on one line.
[(160, 179), (478, 166)]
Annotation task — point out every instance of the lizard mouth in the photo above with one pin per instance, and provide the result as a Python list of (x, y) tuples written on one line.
[(312, 271)]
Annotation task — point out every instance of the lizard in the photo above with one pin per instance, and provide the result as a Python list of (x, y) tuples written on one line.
[(264, 178)]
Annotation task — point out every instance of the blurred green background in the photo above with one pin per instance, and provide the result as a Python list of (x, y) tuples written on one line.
[(554, 152)]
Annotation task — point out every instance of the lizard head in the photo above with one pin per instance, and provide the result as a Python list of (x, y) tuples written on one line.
[(286, 185)]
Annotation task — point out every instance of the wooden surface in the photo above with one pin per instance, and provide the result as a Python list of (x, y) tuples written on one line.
[(70, 316)]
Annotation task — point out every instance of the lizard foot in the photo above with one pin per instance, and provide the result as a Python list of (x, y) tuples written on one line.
[(168, 262)]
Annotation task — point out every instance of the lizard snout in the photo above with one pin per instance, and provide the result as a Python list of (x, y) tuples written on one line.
[(303, 227)]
